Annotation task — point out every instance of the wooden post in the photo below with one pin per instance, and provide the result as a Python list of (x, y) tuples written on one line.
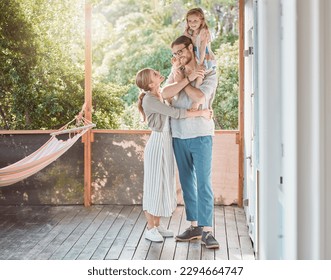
[(87, 139), (241, 100)]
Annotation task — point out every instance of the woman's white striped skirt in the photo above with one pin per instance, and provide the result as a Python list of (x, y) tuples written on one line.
[(159, 198)]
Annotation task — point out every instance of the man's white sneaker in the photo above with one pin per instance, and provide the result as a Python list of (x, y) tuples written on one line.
[(153, 235), (165, 232)]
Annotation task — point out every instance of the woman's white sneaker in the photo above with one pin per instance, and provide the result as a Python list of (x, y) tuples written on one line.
[(153, 235), (165, 232)]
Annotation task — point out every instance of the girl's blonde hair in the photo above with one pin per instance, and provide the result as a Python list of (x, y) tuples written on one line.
[(198, 12), (143, 79)]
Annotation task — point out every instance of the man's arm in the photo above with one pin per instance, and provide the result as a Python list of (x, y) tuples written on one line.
[(195, 94), (181, 82)]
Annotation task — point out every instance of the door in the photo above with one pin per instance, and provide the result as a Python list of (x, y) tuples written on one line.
[(251, 123)]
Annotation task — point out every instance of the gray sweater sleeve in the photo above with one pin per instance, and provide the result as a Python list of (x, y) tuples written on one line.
[(153, 105)]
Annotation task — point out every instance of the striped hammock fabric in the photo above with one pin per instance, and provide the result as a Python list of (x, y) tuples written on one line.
[(45, 155)]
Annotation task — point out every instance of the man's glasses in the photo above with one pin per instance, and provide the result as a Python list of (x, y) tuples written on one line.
[(179, 52)]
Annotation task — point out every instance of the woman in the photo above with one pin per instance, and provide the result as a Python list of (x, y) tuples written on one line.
[(159, 198)]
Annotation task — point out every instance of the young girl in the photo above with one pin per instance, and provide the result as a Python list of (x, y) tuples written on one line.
[(159, 197), (197, 30)]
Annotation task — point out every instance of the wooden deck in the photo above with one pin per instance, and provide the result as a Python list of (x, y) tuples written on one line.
[(112, 232)]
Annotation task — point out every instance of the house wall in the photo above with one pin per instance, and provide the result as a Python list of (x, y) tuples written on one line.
[(269, 208), (289, 121), (327, 129), (251, 131), (294, 143), (117, 170), (313, 129)]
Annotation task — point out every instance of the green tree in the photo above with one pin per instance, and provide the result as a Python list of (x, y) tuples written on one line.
[(226, 100), (108, 106), (141, 37), (47, 89), (42, 57), (42, 50), (17, 58)]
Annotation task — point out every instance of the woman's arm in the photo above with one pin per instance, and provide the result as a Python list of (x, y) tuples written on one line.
[(206, 113), (153, 105)]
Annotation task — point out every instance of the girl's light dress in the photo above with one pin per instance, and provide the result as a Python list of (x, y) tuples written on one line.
[(209, 60)]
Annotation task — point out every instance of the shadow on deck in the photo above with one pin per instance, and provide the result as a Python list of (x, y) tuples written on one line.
[(112, 232)]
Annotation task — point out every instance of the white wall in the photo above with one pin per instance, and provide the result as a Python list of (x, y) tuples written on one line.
[(249, 95), (269, 127), (294, 89), (311, 134), (327, 129), (295, 104), (289, 125)]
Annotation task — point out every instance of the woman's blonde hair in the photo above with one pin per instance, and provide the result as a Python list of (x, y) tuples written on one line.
[(143, 79), (198, 12)]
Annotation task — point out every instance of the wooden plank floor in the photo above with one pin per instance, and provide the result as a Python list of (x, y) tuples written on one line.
[(112, 232)]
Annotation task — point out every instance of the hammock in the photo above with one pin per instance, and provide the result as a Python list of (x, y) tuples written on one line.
[(46, 154)]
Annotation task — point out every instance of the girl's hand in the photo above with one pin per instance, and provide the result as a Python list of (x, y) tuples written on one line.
[(175, 62), (199, 72), (187, 34), (178, 74)]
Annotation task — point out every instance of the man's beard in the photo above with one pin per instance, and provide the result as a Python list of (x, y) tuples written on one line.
[(185, 60)]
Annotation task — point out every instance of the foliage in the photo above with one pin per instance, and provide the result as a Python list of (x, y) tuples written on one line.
[(107, 104), (17, 57), (48, 84), (132, 119), (226, 100), (42, 58), (141, 37)]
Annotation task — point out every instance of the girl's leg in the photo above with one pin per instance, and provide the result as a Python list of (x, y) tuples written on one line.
[(198, 82), (195, 105)]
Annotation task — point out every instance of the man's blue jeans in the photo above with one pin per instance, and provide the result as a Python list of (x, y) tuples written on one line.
[(194, 158)]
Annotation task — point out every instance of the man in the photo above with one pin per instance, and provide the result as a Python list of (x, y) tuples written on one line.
[(192, 141)]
